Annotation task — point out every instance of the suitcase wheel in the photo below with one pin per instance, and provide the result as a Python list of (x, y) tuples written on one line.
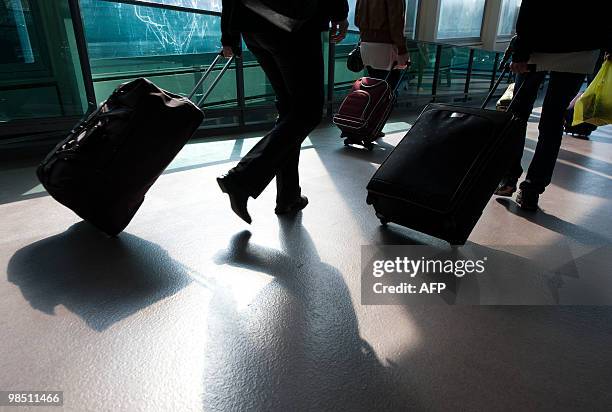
[(347, 142), (369, 146)]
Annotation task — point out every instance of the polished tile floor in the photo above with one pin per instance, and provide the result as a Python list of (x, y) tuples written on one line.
[(190, 309)]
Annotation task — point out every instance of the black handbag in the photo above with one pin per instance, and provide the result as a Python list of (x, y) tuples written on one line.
[(288, 15), (354, 62)]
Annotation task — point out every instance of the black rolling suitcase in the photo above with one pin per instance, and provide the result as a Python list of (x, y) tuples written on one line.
[(441, 175), (108, 162)]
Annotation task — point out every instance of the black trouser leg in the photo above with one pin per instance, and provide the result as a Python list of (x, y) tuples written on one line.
[(288, 179), (298, 83), (526, 90), (562, 88), (392, 78)]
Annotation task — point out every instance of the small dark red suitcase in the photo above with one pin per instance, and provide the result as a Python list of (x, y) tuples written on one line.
[(365, 110)]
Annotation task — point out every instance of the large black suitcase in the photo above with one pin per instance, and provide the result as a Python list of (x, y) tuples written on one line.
[(108, 162), (441, 175)]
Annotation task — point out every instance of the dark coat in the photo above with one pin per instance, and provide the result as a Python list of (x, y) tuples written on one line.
[(236, 19), (382, 21), (562, 26)]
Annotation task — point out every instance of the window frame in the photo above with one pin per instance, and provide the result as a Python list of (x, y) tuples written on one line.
[(462, 40)]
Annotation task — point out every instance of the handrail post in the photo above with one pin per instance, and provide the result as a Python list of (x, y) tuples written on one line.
[(240, 90), (494, 73), (81, 43), (331, 75), (436, 73), (468, 75)]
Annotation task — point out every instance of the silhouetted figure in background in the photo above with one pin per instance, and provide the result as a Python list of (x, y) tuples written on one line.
[(293, 63), (381, 31), (563, 40)]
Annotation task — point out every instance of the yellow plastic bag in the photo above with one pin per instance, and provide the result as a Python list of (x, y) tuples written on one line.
[(595, 105)]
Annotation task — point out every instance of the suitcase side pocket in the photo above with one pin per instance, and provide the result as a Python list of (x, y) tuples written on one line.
[(353, 110)]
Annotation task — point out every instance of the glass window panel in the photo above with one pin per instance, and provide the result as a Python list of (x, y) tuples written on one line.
[(214, 5), (351, 15), (39, 72), (509, 14), (460, 18), (14, 37), (419, 79), (482, 70), (35, 102), (116, 30), (453, 70)]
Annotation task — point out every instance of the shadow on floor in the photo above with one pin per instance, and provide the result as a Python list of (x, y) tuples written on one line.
[(554, 224), (16, 183), (300, 337), (601, 166), (518, 357), (100, 279), (377, 155)]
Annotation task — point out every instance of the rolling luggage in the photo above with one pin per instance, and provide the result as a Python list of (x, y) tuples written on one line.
[(365, 110), (108, 162), (441, 175)]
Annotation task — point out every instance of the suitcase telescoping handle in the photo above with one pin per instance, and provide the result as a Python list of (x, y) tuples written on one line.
[(205, 76), (402, 74), (505, 67)]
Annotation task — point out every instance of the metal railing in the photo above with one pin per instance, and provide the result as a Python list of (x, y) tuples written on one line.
[(242, 106)]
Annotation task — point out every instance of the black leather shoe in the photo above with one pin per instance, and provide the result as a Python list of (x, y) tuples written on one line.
[(238, 198), (299, 204), (505, 189), (527, 199)]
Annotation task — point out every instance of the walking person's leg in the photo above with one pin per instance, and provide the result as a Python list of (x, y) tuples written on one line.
[(237, 192), (376, 73), (303, 80), (526, 90), (562, 88), (288, 191)]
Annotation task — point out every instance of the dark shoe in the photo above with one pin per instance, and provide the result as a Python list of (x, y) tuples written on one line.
[(505, 189), (527, 199), (299, 204), (238, 198)]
